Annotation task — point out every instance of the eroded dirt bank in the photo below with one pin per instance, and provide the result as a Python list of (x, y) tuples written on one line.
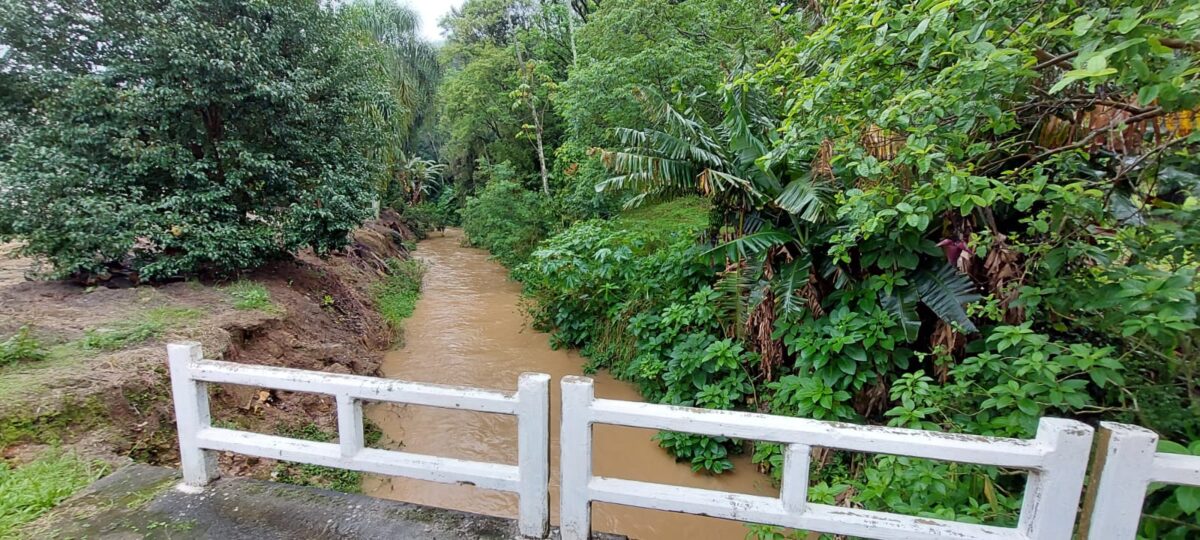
[(111, 400), (469, 329)]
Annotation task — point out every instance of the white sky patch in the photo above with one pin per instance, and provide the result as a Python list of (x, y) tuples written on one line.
[(431, 11)]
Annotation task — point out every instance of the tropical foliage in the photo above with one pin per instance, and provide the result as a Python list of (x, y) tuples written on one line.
[(957, 216)]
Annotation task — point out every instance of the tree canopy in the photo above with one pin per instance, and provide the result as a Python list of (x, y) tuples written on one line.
[(182, 137)]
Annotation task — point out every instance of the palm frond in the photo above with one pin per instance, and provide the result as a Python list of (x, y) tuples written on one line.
[(733, 300), (902, 305), (946, 291), (722, 181), (787, 284), (748, 245), (666, 144), (642, 171), (806, 198)]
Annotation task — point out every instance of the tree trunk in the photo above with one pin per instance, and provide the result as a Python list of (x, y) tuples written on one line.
[(541, 153), (571, 33)]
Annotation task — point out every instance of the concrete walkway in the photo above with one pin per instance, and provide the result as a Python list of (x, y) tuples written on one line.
[(140, 501)]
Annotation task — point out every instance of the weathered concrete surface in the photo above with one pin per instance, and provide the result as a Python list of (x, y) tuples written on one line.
[(140, 501)]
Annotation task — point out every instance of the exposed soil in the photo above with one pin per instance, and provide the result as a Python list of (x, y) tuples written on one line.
[(115, 405)]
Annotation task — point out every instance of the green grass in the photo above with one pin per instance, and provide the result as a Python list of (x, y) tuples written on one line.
[(396, 296), (30, 490), (303, 474), (676, 215), (248, 295), (142, 327), (22, 347)]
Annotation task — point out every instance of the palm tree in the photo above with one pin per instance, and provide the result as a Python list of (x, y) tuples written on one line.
[(420, 175), (408, 65), (772, 209)]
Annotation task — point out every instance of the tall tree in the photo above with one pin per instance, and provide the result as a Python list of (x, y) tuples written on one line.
[(186, 136), (409, 67)]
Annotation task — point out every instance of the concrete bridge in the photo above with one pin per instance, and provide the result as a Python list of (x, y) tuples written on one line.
[(141, 501), (144, 499)]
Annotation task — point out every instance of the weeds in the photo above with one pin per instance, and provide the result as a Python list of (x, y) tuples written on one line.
[(143, 327), (396, 296), (248, 295), (372, 433), (30, 490), (21, 347), (303, 474)]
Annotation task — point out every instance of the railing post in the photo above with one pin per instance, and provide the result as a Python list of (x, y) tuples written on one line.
[(575, 441), (1052, 492), (533, 453), (350, 425), (191, 414), (1120, 475), (793, 488)]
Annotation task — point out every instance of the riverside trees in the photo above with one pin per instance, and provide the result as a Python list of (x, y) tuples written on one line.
[(948, 215), (181, 137)]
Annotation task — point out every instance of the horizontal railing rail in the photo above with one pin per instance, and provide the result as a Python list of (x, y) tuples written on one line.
[(199, 440), (1126, 462), (1056, 462)]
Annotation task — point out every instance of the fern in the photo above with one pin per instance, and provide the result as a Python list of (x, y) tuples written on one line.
[(733, 303)]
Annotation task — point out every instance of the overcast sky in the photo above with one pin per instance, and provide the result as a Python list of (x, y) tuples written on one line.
[(431, 11)]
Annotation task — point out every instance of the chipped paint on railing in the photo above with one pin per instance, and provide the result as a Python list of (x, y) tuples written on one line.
[(1126, 463)]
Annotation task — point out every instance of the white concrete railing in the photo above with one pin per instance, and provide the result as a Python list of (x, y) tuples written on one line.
[(1126, 462), (198, 439), (1056, 462)]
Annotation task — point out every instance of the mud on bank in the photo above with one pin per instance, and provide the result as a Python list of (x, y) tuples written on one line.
[(102, 389)]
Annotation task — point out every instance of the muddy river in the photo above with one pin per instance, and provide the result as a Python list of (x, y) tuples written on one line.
[(469, 329)]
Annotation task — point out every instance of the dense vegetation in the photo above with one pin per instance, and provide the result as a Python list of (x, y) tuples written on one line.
[(162, 139), (956, 216), (149, 141)]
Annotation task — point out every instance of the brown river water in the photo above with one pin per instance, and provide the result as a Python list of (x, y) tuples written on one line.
[(469, 329)]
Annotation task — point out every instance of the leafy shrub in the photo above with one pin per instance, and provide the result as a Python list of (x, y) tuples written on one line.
[(575, 194), (429, 216), (507, 220), (633, 295), (29, 490), (447, 207), (396, 295), (21, 347), (237, 144)]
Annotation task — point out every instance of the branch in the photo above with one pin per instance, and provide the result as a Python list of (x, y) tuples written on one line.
[(1150, 113), (1180, 44), (1047, 60)]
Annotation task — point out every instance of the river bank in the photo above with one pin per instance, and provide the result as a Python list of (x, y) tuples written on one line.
[(98, 387)]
